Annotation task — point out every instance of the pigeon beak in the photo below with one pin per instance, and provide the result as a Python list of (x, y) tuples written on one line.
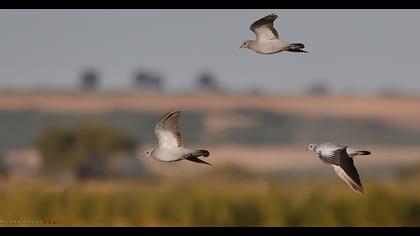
[(306, 149)]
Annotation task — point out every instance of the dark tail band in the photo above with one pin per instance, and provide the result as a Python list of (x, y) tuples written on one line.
[(296, 47), (203, 153), (363, 153), (194, 156)]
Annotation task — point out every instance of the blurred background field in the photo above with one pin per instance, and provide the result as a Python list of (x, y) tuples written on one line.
[(82, 166), (79, 103)]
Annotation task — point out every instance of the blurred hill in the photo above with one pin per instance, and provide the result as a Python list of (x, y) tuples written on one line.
[(401, 111), (238, 129)]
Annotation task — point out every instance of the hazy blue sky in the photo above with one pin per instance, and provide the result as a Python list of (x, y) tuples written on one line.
[(363, 50)]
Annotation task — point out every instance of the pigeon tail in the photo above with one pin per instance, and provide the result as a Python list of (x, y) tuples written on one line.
[(363, 153), (194, 156), (353, 152), (296, 47), (203, 153)]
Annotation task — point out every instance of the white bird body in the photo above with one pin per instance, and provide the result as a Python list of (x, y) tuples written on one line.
[(340, 157), (170, 154), (267, 38), (327, 149), (171, 146), (268, 46)]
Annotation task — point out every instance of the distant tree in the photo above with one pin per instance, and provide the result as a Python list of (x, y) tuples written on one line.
[(89, 80), (255, 91), (208, 82), (146, 80), (85, 149), (390, 92), (318, 89), (3, 170)]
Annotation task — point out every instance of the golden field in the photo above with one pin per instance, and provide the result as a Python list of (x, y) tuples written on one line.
[(236, 201)]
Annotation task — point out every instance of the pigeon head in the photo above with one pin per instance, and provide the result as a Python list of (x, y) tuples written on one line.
[(147, 153), (311, 146), (246, 44)]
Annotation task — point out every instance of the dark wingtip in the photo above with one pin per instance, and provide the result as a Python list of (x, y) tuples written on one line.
[(169, 114), (176, 111), (205, 162), (357, 188), (172, 113), (272, 16)]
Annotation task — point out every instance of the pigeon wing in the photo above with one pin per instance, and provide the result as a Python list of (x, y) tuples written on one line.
[(350, 174), (264, 29), (331, 157), (167, 130)]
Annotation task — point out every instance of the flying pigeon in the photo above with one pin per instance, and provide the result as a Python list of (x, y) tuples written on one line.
[(171, 146), (341, 159), (268, 41)]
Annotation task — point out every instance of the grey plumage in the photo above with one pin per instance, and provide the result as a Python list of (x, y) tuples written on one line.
[(267, 38), (341, 158), (264, 28), (168, 124), (171, 145)]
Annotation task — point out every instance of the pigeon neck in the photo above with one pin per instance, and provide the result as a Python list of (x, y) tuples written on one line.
[(316, 148)]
